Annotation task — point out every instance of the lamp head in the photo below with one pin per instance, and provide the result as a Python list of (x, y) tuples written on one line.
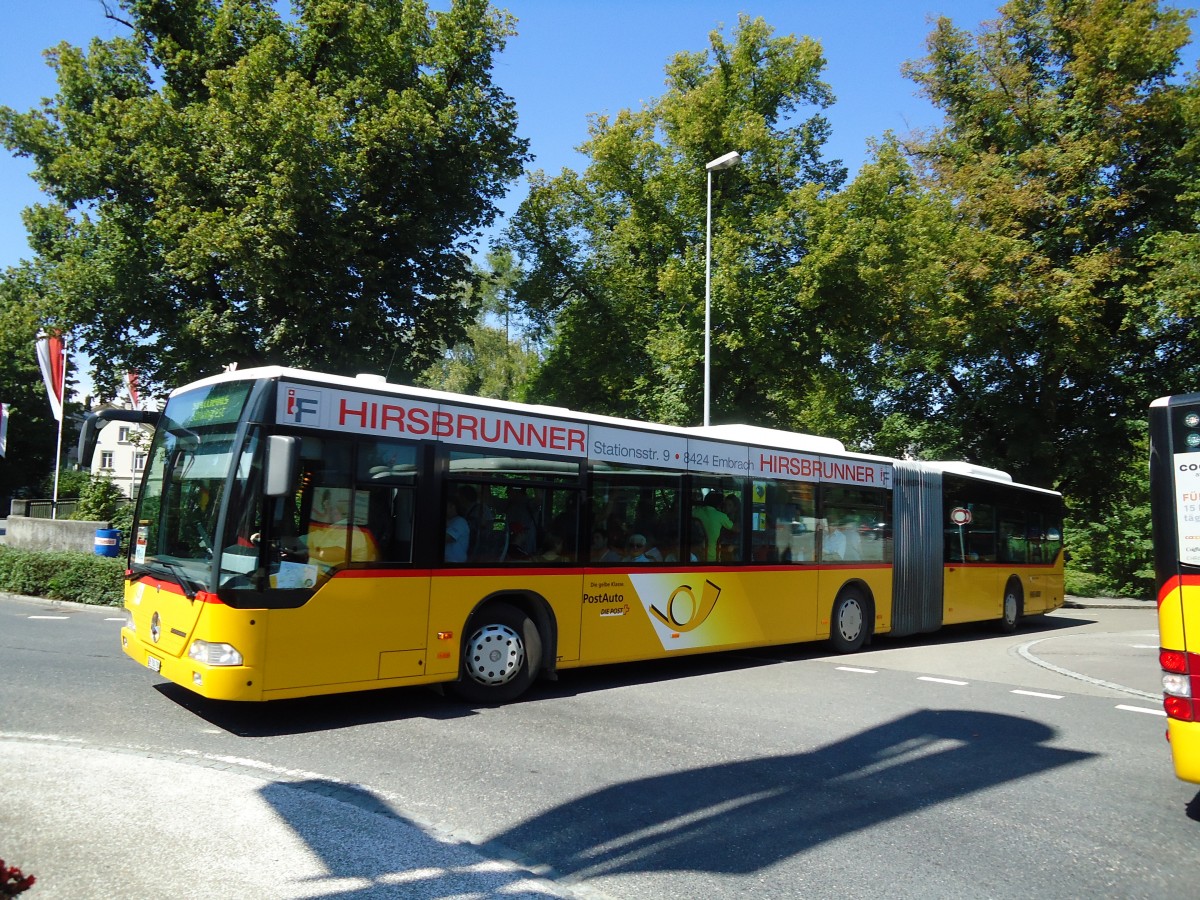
[(728, 161)]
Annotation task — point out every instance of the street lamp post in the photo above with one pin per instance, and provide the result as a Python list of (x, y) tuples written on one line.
[(721, 162)]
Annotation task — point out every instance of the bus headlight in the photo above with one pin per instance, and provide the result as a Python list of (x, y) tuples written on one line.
[(214, 654), (129, 621)]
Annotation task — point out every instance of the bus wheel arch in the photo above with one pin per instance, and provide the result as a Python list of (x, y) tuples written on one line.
[(504, 648), (852, 619), (1013, 605)]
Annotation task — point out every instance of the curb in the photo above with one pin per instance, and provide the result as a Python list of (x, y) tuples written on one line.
[(1107, 603)]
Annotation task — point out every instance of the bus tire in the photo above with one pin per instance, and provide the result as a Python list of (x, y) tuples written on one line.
[(1013, 603), (501, 655), (850, 621)]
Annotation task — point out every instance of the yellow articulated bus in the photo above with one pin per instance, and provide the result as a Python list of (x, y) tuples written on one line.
[(1175, 510), (300, 534)]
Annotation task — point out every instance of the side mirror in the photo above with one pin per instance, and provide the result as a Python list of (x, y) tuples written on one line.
[(283, 457)]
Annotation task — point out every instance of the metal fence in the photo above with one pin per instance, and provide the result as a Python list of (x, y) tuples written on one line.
[(44, 509)]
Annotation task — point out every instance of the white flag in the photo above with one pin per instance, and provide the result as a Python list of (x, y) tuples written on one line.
[(52, 358)]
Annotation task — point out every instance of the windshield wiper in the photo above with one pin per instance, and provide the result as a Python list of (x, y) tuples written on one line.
[(177, 574)]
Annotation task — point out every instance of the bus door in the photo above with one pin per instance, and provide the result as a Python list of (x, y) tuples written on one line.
[(972, 592)]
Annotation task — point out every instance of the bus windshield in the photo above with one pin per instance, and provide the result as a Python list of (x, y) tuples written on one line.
[(188, 467)]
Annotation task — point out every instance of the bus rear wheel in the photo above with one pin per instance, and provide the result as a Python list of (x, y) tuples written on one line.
[(849, 622), (501, 655), (1012, 607)]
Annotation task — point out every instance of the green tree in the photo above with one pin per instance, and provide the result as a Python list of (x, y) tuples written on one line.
[(497, 355), (32, 429), (614, 255), (1039, 325), (227, 185), (99, 499)]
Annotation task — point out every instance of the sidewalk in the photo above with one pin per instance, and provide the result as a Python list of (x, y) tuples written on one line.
[(105, 822)]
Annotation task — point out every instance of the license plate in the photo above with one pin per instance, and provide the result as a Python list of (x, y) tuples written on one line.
[(153, 663)]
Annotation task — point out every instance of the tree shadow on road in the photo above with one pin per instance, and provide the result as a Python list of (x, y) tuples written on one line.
[(366, 849), (744, 817)]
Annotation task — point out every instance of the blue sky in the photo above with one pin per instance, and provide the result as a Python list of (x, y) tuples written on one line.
[(570, 59)]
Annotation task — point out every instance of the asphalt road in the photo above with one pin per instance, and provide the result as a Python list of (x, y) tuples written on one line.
[(965, 764)]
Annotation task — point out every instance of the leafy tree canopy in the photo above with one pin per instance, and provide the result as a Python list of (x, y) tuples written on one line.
[(615, 255), (497, 355), (1021, 302), (32, 430), (229, 185)]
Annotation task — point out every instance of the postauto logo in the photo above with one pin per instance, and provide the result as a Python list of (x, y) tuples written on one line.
[(682, 614), (302, 407)]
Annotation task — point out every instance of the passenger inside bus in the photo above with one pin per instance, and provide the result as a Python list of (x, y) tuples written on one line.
[(840, 540), (635, 549), (326, 541), (522, 532), (458, 535), (712, 518)]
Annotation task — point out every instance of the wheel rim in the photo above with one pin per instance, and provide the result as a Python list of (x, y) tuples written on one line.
[(850, 618), (495, 655), (1010, 607)]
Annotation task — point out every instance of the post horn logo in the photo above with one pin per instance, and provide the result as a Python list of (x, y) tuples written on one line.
[(683, 612)]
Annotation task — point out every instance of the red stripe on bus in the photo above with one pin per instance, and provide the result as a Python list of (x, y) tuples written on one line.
[(512, 571), (172, 588), (1177, 582)]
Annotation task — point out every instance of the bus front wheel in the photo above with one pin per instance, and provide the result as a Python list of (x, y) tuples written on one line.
[(850, 621), (501, 655)]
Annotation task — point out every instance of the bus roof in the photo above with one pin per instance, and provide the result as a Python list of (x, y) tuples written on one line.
[(984, 473), (785, 440), (734, 433)]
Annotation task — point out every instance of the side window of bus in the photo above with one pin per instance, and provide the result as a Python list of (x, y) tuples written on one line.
[(332, 517), (783, 521), (856, 524), (1053, 536), (1044, 536), (974, 541), (635, 515), (1014, 536), (715, 518), (386, 487), (513, 510)]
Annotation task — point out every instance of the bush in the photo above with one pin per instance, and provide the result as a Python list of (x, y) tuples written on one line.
[(62, 575), (1086, 584), (1112, 554), (99, 500), (71, 482), (122, 520)]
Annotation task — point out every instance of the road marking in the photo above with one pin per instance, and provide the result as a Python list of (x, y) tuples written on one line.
[(1025, 652), (942, 680), (117, 619), (1144, 646), (1142, 709), (50, 617), (1038, 694), (860, 671)]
